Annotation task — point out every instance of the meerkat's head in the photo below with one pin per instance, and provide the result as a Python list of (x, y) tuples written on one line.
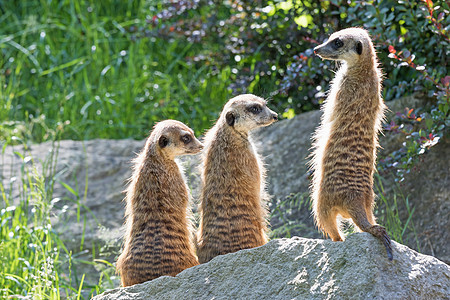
[(173, 138), (349, 45), (246, 112)]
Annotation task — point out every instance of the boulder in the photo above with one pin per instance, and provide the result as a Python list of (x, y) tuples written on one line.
[(286, 145), (300, 268), (91, 177)]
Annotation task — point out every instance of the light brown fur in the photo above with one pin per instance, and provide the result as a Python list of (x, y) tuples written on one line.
[(233, 199), (158, 239), (346, 141)]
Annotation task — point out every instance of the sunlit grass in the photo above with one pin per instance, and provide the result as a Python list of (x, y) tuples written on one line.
[(79, 63), (34, 261), (29, 248), (400, 228)]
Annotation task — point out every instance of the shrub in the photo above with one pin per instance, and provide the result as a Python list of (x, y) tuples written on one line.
[(267, 45), (112, 70)]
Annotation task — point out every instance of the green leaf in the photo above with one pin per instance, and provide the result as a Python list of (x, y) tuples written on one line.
[(71, 190), (63, 66)]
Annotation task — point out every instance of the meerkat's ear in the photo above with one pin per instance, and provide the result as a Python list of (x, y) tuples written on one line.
[(230, 118), (163, 141), (359, 47)]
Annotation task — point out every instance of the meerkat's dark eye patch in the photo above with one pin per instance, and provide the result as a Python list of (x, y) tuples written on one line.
[(163, 141), (337, 43), (255, 109), (186, 138), (359, 48)]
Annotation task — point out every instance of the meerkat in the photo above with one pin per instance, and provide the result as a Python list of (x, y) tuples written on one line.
[(158, 239), (233, 197), (345, 143)]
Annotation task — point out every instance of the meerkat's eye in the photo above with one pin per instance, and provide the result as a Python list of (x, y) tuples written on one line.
[(186, 138), (338, 43), (255, 109)]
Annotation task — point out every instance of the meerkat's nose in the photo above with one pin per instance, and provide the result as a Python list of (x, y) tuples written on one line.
[(275, 116), (315, 50), (318, 49)]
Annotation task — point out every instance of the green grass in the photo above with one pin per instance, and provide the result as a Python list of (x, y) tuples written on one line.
[(80, 66), (283, 210), (29, 249), (389, 210), (34, 262)]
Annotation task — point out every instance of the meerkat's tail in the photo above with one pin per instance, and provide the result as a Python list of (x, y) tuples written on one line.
[(360, 218)]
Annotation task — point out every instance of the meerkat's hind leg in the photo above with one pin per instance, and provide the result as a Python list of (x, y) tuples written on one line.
[(370, 216), (369, 211), (326, 221), (360, 218)]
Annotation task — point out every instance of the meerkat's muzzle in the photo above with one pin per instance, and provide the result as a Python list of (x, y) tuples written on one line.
[(319, 50), (273, 117), (196, 148), (325, 51), (268, 120)]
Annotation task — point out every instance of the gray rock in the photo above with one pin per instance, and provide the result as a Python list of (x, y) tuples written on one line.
[(285, 148), (301, 268), (105, 165)]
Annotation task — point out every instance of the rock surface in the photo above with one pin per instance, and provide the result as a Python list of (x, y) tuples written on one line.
[(301, 268), (285, 148)]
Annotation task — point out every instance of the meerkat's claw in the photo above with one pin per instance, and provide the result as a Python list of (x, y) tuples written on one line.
[(380, 233), (387, 245), (387, 239)]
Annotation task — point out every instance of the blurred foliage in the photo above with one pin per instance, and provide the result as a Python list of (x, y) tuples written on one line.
[(111, 69), (79, 65), (268, 46), (423, 127)]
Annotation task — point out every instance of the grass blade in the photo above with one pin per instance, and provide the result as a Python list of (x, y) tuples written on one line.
[(63, 66)]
